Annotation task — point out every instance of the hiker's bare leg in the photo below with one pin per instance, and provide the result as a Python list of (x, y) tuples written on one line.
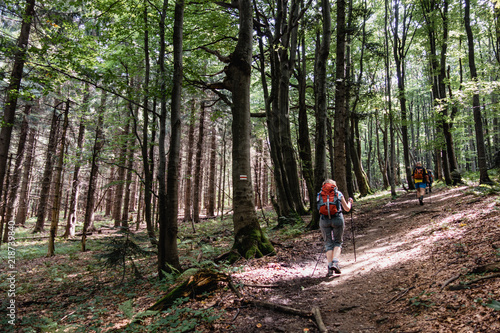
[(336, 252), (329, 256)]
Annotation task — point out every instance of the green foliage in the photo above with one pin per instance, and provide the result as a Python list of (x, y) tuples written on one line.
[(294, 229), (120, 250), (177, 319), (495, 305), (421, 301), (484, 190)]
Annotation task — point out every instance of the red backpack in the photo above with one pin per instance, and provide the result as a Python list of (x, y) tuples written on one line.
[(418, 173), (328, 200)]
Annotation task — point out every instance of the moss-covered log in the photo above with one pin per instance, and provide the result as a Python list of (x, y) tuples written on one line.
[(191, 285)]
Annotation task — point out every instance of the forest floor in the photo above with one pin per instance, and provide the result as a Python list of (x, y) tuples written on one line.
[(414, 269)]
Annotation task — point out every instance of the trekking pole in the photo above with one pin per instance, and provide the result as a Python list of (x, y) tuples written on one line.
[(353, 239), (317, 261)]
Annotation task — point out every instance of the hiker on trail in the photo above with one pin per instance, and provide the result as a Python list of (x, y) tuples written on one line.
[(330, 203), (420, 178), (430, 180)]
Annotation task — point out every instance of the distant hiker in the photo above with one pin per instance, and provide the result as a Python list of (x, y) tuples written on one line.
[(420, 179), (330, 202), (430, 180)]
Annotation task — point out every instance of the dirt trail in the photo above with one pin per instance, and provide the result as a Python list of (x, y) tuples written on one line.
[(403, 250)]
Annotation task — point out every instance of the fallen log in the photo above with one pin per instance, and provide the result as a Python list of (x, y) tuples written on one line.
[(286, 309), (191, 285), (279, 307), (469, 283)]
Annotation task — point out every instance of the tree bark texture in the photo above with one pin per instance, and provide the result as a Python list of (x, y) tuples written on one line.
[(198, 178), (47, 173), (20, 57), (249, 240), (56, 205), (75, 184), (88, 221), (476, 106), (168, 256), (340, 102)]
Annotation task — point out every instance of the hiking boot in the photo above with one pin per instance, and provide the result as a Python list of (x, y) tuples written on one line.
[(335, 268), (330, 272), (421, 199)]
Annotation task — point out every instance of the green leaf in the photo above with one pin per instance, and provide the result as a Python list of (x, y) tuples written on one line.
[(495, 305)]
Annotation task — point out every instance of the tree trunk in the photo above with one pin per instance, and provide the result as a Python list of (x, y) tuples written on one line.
[(75, 184), (198, 179), (147, 160), (16, 174), (88, 222), (189, 167), (283, 41), (168, 256), (355, 143), (303, 141), (24, 195), (478, 125), (392, 159), (249, 240), (211, 178), (128, 180), (399, 49), (340, 102), (16, 76), (57, 186), (47, 173), (321, 106)]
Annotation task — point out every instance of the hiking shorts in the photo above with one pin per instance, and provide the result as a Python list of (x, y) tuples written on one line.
[(421, 185), (332, 230)]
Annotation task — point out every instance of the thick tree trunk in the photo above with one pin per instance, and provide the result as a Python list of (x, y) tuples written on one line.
[(249, 240), (478, 125), (16, 76), (321, 106), (283, 41), (168, 256), (340, 124)]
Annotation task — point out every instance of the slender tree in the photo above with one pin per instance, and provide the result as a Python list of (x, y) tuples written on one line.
[(47, 172), (88, 222), (56, 205), (476, 106)]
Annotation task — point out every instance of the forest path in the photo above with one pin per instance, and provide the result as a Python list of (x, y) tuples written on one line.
[(396, 244)]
